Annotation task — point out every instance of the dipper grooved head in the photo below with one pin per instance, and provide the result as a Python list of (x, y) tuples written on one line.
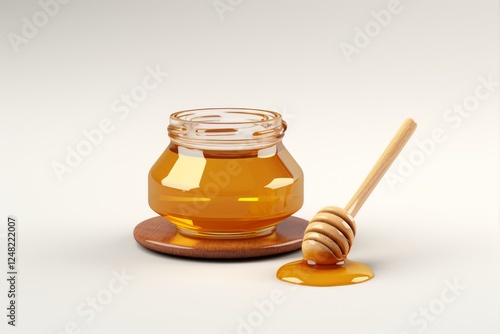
[(329, 236)]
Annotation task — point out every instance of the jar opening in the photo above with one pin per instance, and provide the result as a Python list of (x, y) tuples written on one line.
[(226, 128)]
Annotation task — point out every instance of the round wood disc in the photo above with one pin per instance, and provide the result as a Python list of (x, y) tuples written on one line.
[(160, 235)]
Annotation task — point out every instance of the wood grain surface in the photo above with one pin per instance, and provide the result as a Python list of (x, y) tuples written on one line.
[(160, 235)]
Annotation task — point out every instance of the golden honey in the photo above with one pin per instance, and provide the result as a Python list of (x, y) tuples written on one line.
[(226, 174), (344, 273)]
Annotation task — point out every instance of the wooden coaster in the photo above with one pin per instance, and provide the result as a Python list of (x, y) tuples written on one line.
[(160, 235)]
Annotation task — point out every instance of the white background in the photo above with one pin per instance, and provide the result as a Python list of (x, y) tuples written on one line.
[(440, 224)]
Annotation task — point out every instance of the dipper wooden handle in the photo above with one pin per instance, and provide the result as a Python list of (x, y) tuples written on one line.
[(329, 236), (381, 166)]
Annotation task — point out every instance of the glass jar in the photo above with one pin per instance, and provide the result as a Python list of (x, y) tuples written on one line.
[(226, 174)]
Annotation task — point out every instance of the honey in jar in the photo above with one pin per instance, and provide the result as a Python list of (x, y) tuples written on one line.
[(226, 174)]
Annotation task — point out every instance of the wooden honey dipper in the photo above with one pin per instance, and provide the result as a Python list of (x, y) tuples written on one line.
[(329, 236)]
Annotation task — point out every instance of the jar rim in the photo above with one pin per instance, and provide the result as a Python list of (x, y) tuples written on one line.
[(267, 115), (226, 128)]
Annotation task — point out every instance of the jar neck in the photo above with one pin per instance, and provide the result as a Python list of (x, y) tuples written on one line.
[(265, 152), (226, 129)]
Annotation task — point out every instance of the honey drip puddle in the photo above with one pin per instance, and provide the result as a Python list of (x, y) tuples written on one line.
[(349, 272)]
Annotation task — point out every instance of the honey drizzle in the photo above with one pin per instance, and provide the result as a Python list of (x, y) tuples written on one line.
[(346, 273)]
